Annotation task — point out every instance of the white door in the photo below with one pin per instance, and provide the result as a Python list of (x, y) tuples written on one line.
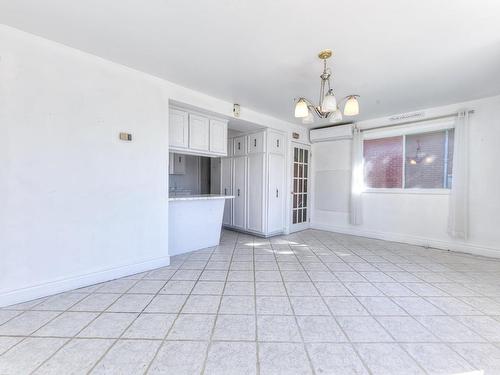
[(255, 217), (276, 193), (218, 136), (301, 159), (198, 133), (178, 130), (226, 170), (239, 191)]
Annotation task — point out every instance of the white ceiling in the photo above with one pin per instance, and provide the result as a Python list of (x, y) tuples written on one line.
[(399, 55)]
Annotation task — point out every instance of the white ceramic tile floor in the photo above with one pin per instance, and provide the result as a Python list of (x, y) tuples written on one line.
[(309, 303)]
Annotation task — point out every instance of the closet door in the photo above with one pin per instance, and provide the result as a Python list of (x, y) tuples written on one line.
[(276, 201), (239, 191), (256, 167), (227, 189)]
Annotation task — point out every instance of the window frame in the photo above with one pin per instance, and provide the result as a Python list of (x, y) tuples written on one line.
[(404, 130)]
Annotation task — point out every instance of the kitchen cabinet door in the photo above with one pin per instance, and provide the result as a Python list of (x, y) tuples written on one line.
[(276, 193), (255, 217), (240, 146), (227, 189), (239, 191), (256, 143), (276, 143), (178, 129), (218, 136), (199, 133)]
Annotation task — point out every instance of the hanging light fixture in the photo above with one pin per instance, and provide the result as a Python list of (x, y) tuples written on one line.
[(419, 156), (328, 106)]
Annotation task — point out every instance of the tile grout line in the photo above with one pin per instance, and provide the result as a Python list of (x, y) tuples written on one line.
[(311, 366), (162, 344), (99, 313), (132, 322), (339, 325), (205, 360), (398, 343)]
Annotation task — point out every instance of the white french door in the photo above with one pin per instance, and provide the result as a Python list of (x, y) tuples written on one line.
[(301, 161)]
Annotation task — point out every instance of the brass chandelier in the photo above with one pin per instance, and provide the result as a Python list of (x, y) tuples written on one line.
[(328, 106)]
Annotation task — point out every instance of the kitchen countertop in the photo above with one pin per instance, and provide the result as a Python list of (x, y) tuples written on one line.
[(199, 197)]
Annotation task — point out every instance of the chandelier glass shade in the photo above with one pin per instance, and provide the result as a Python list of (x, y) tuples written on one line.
[(328, 106)]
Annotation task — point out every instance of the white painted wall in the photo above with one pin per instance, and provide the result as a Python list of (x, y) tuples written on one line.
[(416, 218), (78, 206)]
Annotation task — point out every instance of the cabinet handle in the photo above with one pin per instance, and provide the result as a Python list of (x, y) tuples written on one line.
[(239, 146), (255, 142), (179, 159), (225, 191), (277, 143), (277, 194), (238, 192)]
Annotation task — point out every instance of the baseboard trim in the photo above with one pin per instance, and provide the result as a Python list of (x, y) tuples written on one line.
[(64, 285), (460, 247)]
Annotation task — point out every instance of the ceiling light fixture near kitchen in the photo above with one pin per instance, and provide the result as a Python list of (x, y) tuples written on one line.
[(328, 106)]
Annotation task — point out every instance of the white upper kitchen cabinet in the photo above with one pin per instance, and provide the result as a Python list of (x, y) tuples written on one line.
[(256, 142), (178, 129), (240, 146), (218, 136), (199, 133), (275, 142)]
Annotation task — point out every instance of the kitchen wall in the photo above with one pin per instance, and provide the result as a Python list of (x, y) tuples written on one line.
[(77, 205), (416, 218)]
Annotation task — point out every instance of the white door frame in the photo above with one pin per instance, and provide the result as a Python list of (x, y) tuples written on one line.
[(302, 224)]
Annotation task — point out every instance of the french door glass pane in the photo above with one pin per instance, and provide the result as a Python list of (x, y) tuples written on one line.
[(300, 173)]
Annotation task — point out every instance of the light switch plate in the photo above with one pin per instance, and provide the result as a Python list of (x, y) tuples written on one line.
[(125, 136)]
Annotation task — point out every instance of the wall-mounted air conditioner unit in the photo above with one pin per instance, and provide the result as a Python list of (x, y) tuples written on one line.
[(332, 133)]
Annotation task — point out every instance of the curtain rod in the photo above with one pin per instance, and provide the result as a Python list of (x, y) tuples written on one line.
[(415, 121)]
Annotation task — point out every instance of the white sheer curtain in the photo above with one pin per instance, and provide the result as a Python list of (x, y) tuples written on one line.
[(356, 205), (458, 216)]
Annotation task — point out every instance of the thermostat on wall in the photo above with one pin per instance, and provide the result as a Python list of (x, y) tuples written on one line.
[(125, 136)]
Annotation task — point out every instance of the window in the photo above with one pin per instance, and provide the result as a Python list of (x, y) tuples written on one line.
[(412, 161)]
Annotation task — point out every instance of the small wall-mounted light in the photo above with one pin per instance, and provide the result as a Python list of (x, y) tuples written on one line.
[(125, 137), (236, 110)]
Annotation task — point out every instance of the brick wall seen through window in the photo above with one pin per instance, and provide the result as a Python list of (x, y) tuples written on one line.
[(422, 161)]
